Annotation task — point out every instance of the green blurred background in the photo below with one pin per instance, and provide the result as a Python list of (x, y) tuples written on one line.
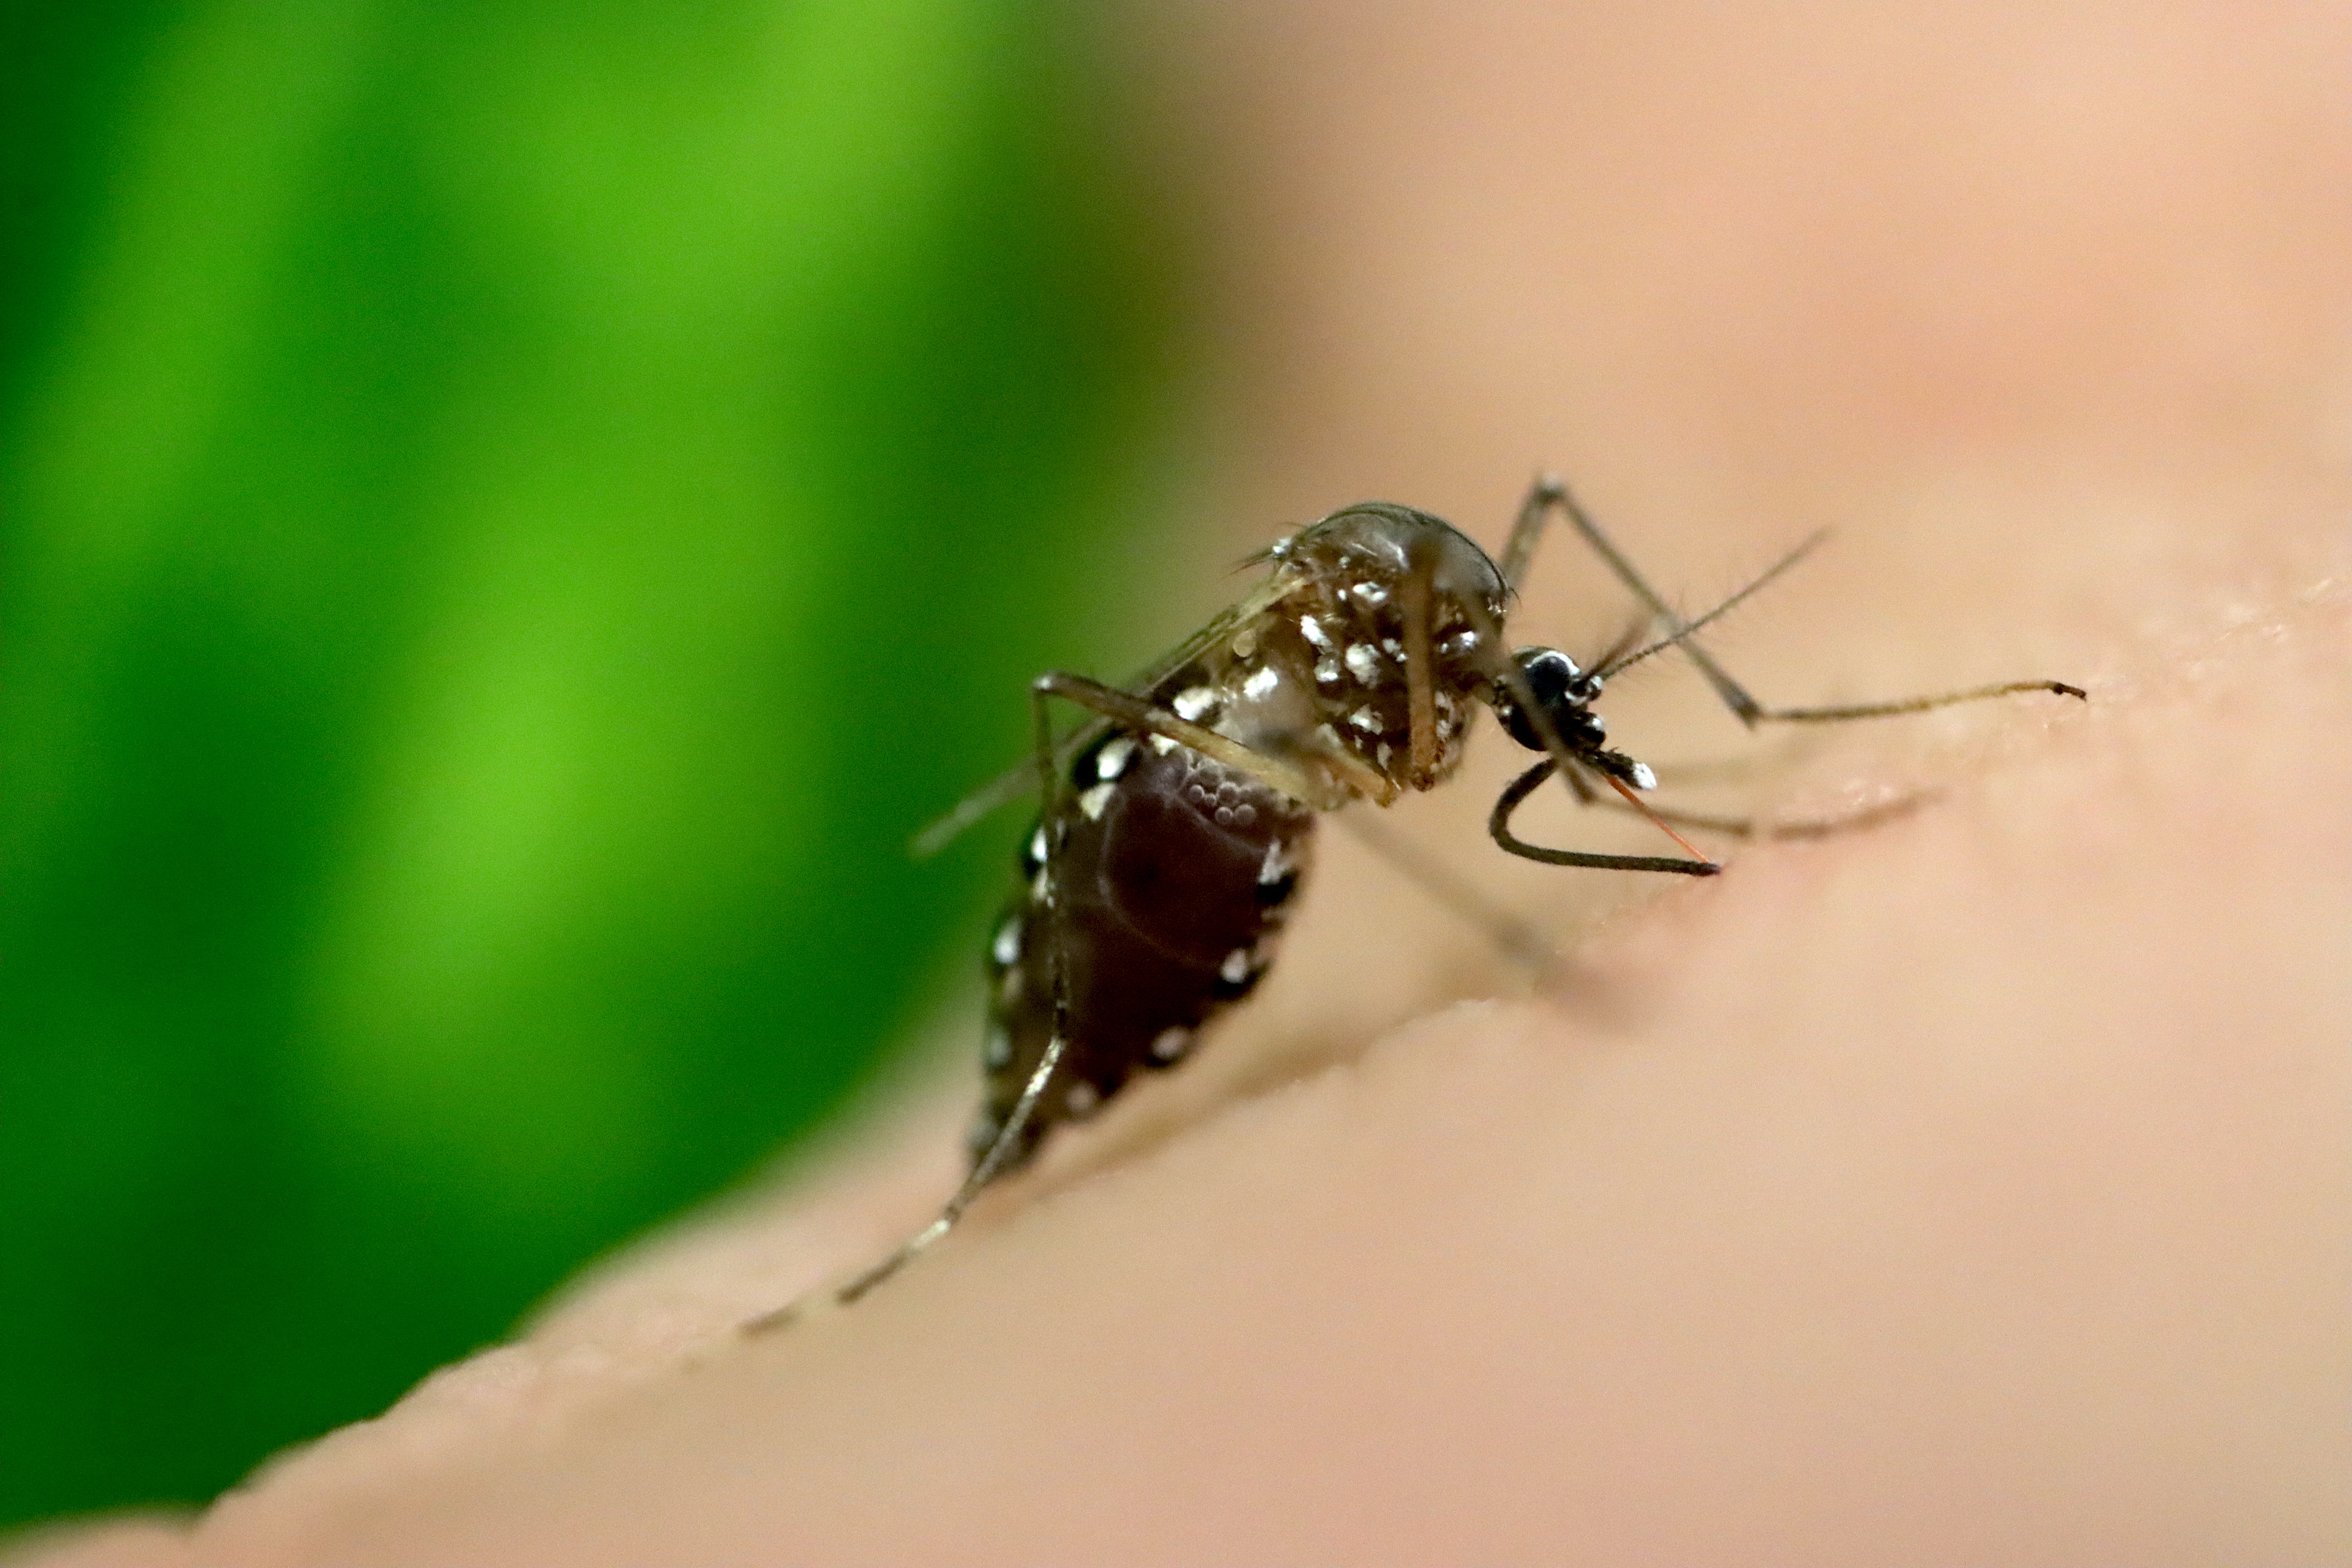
[(510, 516)]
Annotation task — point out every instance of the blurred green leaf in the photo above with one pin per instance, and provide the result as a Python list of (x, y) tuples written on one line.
[(510, 521)]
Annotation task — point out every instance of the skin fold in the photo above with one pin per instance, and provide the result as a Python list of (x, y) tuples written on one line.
[(1969, 1189)]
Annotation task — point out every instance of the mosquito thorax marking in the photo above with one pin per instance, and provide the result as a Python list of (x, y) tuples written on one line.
[(1340, 633)]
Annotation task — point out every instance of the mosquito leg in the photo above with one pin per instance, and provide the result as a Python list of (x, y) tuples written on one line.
[(1503, 671), (1007, 1139), (1120, 706), (1133, 712), (1526, 783), (1546, 493), (1737, 697)]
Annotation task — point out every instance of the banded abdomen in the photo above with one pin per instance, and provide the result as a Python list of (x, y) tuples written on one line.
[(1162, 878)]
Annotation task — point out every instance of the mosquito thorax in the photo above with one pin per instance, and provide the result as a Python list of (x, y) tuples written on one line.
[(1340, 632)]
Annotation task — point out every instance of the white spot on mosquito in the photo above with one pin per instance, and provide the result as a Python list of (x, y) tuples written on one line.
[(1169, 1045), (1162, 744), (1037, 845), (1261, 683), (1111, 761), (1643, 777), (996, 1051), (1363, 663), (1371, 594), (1006, 948), (1276, 865), (1312, 630), (1384, 754), (1326, 671), (1365, 719), (1192, 702), (1461, 642), (1083, 1098), (1094, 800), (1236, 966), (1040, 890), (1396, 648)]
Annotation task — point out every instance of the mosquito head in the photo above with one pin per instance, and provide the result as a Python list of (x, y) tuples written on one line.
[(1563, 692)]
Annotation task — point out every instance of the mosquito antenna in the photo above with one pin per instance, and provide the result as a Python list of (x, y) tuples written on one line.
[(1616, 662)]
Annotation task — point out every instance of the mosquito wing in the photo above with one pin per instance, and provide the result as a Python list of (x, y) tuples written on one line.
[(1015, 782)]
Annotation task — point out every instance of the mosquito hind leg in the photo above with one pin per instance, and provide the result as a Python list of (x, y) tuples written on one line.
[(1008, 1139), (1133, 712)]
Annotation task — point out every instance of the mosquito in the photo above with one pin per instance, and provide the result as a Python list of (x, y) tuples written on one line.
[(1178, 820)]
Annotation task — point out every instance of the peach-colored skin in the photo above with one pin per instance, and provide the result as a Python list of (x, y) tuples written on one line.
[(1975, 1189)]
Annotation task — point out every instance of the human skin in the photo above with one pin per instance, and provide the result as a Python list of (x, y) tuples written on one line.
[(1973, 1187)]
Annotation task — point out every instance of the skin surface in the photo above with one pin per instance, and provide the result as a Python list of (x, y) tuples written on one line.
[(1972, 1189)]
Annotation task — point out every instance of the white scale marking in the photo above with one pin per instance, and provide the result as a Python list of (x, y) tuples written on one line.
[(1371, 594), (1006, 949), (996, 1052), (1192, 702), (1170, 1044), (1094, 800), (1326, 671), (1312, 630), (1261, 683), (1366, 720), (1111, 761), (1643, 777), (1363, 663), (1276, 865), (1236, 966), (1037, 845)]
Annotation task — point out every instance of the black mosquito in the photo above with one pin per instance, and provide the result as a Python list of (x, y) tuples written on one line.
[(1177, 821)]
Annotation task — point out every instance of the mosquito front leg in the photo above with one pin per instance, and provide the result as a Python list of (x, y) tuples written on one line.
[(1546, 493), (1735, 696), (1526, 783)]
